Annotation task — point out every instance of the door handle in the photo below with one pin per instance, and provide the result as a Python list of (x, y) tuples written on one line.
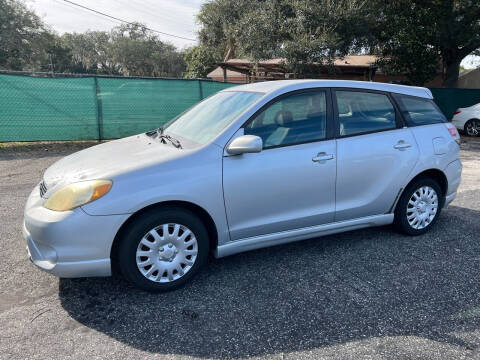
[(322, 156), (402, 145)]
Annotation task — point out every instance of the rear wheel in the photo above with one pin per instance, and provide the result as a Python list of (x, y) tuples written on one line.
[(163, 249), (472, 127), (419, 207)]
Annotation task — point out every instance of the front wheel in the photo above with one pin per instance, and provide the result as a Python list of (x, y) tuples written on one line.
[(419, 207), (163, 249)]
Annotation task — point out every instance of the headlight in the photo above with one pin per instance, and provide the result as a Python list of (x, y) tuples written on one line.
[(77, 194)]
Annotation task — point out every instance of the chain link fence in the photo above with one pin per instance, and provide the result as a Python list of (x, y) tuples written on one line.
[(38, 106), (34, 107)]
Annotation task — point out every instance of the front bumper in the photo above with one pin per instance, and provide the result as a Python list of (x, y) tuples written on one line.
[(69, 243)]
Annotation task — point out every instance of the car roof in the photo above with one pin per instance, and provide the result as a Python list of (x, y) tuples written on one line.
[(289, 85)]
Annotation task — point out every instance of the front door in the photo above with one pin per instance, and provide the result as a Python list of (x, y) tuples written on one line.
[(290, 184)]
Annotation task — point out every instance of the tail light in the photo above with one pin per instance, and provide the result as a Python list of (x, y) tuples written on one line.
[(458, 111), (453, 131)]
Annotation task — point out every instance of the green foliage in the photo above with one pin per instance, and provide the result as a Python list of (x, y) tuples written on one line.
[(138, 52), (417, 37), (319, 31), (27, 44), (132, 50), (302, 32), (200, 61), (91, 52), (413, 37), (20, 32)]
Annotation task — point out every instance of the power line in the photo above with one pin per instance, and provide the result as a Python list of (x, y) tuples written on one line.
[(145, 9), (125, 21), (73, 7)]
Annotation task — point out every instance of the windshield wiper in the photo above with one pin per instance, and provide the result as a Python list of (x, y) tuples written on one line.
[(151, 133), (164, 137)]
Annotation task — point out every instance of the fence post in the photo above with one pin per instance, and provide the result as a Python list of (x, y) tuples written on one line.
[(99, 109), (200, 89)]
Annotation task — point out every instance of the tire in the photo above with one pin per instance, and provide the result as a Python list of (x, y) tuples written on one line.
[(472, 127), (423, 209), (175, 257)]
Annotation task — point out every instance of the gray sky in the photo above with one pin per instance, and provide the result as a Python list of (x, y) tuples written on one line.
[(471, 62), (171, 16)]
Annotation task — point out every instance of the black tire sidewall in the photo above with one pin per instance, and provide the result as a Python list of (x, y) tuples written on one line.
[(465, 128), (401, 221), (133, 233)]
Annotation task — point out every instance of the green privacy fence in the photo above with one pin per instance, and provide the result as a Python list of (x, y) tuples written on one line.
[(450, 100), (92, 107), (98, 107)]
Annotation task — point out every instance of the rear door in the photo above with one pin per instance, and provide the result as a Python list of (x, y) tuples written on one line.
[(375, 153)]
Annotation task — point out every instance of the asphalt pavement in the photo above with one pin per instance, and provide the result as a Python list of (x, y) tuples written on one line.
[(367, 294)]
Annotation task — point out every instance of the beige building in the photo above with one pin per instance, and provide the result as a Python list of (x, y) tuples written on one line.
[(469, 79)]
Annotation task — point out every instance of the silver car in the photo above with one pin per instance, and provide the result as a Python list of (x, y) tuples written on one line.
[(252, 166)]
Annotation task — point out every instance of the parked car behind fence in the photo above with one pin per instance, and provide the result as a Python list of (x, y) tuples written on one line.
[(467, 120)]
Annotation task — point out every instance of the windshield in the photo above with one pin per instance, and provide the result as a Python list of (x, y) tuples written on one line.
[(206, 120)]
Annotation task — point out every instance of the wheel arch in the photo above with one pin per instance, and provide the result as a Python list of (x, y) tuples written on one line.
[(204, 216), (435, 174)]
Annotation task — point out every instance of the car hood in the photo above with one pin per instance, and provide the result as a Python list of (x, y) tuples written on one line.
[(107, 160)]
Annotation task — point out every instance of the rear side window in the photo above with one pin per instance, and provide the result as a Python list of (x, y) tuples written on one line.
[(419, 111), (363, 112)]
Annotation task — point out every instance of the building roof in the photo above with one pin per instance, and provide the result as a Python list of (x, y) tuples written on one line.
[(238, 67), (282, 86), (218, 72)]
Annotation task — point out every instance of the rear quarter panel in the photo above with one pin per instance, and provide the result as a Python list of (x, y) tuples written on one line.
[(430, 158)]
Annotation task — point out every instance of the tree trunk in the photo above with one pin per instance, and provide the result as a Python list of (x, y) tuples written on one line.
[(452, 70), (229, 54)]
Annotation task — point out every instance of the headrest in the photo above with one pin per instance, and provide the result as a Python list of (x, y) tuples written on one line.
[(283, 117)]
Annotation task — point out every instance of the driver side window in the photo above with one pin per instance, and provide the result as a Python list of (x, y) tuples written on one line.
[(293, 119)]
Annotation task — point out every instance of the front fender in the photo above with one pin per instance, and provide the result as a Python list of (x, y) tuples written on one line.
[(196, 179)]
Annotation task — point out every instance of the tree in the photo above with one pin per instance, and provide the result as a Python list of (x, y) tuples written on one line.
[(139, 52), (218, 19), (91, 52), (417, 37), (26, 43), (316, 31), (200, 61), (20, 29), (302, 32), (130, 50)]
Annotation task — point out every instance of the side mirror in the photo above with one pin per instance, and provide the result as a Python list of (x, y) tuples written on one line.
[(245, 144)]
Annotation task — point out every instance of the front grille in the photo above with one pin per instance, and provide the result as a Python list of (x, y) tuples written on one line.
[(43, 188)]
